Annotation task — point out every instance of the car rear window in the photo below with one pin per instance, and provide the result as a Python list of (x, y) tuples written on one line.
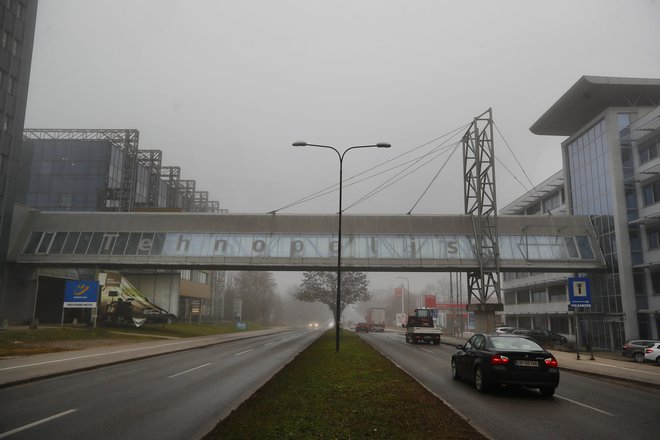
[(509, 343)]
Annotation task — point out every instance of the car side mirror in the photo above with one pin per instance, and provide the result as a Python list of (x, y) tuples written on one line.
[(460, 346)]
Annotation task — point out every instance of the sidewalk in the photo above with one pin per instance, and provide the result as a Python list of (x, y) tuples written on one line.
[(27, 368), (603, 365)]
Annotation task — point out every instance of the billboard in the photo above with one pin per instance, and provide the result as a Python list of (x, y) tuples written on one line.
[(81, 294)]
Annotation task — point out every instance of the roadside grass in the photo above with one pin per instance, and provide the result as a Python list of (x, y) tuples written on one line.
[(354, 394), (45, 339)]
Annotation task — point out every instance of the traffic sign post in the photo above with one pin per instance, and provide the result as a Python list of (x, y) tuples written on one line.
[(579, 296)]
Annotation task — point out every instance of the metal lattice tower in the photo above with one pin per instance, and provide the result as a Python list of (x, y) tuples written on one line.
[(480, 203), (152, 161)]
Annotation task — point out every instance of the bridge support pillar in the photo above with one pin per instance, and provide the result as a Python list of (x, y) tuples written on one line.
[(484, 316)]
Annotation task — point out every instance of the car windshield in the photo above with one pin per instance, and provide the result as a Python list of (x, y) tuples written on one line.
[(512, 343)]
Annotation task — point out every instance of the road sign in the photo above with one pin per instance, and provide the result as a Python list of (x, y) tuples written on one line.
[(81, 294), (579, 292)]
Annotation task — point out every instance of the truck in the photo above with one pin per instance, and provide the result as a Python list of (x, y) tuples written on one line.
[(421, 328), (376, 319)]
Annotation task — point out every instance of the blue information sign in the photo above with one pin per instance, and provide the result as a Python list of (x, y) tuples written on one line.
[(81, 294), (579, 292)]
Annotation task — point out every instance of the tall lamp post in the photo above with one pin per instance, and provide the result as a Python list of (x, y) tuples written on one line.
[(408, 294), (341, 166)]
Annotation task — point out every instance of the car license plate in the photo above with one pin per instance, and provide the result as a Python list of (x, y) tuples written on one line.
[(527, 363)]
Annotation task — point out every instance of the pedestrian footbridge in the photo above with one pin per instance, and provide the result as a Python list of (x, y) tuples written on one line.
[(427, 243)]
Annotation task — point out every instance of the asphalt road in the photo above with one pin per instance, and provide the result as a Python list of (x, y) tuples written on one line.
[(583, 407), (176, 396)]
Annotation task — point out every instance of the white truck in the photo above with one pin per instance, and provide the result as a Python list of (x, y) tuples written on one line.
[(420, 328)]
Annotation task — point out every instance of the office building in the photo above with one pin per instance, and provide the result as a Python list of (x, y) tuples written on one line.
[(17, 22), (611, 173)]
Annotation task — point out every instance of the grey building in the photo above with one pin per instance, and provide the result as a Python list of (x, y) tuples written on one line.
[(104, 170), (611, 172), (17, 22)]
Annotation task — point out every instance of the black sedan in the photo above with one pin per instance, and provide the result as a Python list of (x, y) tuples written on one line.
[(505, 359)]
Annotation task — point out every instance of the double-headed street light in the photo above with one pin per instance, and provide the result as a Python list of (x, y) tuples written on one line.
[(341, 165)]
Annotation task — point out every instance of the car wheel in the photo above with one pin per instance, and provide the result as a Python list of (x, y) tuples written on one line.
[(657, 361), (547, 391), (454, 370), (479, 382), (638, 357)]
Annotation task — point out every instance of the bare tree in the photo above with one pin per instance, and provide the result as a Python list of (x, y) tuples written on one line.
[(322, 287)]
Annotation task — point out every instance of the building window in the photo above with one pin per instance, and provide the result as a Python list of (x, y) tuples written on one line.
[(538, 297), (522, 297), (648, 153), (653, 236), (655, 282), (186, 275), (557, 294), (651, 193)]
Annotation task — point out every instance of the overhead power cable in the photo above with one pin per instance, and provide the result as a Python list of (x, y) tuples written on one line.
[(329, 189)]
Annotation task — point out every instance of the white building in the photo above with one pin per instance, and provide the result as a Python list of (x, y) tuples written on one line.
[(612, 173)]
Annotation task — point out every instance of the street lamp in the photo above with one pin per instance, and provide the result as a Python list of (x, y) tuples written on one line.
[(408, 294), (341, 165)]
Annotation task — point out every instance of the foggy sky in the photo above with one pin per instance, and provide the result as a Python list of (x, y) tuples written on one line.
[(224, 87)]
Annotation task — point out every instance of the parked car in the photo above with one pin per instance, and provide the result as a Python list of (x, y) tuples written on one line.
[(500, 330), (489, 360), (652, 353), (636, 348), (362, 327), (546, 336)]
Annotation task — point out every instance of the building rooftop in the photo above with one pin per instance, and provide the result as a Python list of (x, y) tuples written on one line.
[(589, 96)]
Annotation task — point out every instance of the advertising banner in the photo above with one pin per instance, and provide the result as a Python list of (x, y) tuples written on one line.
[(81, 294)]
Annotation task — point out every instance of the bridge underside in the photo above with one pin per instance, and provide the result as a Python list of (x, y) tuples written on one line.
[(403, 243)]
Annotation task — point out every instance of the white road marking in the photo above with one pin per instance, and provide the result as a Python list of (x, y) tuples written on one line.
[(625, 368), (188, 371), (38, 422), (128, 350), (243, 352), (426, 350), (585, 405)]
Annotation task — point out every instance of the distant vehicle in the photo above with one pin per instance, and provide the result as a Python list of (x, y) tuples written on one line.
[(362, 327), (313, 325), (516, 360), (546, 336), (352, 327), (376, 319), (636, 348), (501, 330), (652, 353), (421, 328)]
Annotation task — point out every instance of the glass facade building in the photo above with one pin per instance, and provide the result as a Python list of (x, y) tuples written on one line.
[(610, 175), (17, 24)]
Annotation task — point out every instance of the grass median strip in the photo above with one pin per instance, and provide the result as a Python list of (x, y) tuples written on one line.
[(353, 394)]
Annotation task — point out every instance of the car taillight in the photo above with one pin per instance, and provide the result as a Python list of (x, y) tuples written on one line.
[(498, 359), (551, 362), (626, 346), (649, 350)]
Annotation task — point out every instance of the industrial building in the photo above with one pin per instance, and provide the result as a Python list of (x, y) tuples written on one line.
[(105, 171)]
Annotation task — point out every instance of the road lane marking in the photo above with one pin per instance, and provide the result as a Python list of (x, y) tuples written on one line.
[(625, 368), (585, 405), (188, 371), (243, 352), (38, 422), (128, 350), (426, 350)]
